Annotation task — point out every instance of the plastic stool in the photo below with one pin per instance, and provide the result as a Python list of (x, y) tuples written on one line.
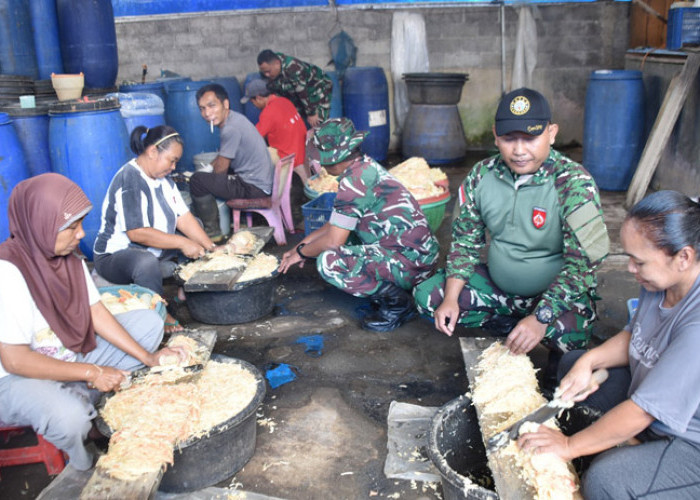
[(43, 451)]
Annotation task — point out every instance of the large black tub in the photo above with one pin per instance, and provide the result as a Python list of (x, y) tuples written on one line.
[(204, 461), (434, 88), (456, 447), (245, 302)]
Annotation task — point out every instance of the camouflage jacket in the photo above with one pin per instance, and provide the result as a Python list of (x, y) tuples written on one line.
[(380, 210), (574, 207), (306, 85)]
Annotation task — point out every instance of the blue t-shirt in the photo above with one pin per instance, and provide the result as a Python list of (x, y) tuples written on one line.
[(663, 355)]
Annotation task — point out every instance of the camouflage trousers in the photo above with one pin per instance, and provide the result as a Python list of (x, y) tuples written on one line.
[(481, 299), (360, 269)]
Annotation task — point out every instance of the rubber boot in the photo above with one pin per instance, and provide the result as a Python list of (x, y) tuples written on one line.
[(205, 208), (395, 307)]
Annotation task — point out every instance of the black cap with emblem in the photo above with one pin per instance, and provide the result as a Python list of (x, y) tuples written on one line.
[(522, 110)]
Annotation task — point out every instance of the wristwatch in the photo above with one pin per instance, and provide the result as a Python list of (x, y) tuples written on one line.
[(299, 247), (544, 314)]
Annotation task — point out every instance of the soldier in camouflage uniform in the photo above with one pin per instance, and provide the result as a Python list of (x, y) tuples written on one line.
[(547, 237), (396, 248), (306, 85)]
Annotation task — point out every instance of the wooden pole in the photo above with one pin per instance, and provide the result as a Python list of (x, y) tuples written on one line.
[(663, 126)]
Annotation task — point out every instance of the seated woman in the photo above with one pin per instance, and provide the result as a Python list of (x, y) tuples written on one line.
[(141, 213), (55, 334), (651, 398)]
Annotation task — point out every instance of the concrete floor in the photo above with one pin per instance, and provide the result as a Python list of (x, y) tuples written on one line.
[(329, 433)]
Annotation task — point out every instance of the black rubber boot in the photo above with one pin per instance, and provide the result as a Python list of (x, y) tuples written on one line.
[(205, 208), (499, 325), (395, 307)]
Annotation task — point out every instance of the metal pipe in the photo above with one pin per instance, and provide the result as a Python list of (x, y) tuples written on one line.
[(502, 12)]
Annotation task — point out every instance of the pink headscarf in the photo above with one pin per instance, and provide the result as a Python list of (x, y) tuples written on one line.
[(39, 208)]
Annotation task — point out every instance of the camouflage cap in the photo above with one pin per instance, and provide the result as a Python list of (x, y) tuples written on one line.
[(336, 139)]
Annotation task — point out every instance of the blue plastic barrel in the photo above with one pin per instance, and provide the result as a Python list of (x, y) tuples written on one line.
[(613, 133), (249, 109), (140, 108), (47, 43), (89, 40), (32, 128), (366, 103), (182, 113), (13, 169), (88, 144), (336, 96), (233, 89), (17, 54), (157, 88)]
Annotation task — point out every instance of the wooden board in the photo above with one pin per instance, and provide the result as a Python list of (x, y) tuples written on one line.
[(509, 486), (102, 486), (663, 126), (213, 281)]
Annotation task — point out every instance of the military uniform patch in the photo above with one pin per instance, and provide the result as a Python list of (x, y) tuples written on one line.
[(539, 217)]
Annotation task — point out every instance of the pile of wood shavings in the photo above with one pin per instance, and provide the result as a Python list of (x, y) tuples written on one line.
[(216, 261), (151, 419), (506, 390), (262, 265)]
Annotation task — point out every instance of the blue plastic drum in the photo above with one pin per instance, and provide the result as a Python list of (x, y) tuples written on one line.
[(336, 96), (366, 103), (47, 43), (182, 113), (88, 144), (89, 40), (17, 53), (157, 88), (140, 108), (13, 169), (32, 128), (613, 133)]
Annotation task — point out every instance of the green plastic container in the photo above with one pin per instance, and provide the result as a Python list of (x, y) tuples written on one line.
[(435, 212)]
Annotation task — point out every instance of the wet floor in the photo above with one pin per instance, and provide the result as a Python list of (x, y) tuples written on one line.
[(324, 434)]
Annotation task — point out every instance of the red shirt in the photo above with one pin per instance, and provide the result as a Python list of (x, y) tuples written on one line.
[(282, 126)]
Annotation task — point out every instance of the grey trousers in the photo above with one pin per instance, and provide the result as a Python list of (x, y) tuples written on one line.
[(63, 411)]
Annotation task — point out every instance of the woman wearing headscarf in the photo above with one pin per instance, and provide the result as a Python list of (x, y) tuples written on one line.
[(649, 435), (146, 226), (59, 345)]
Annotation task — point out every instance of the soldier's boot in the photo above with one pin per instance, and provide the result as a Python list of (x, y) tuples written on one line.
[(205, 208), (395, 307)]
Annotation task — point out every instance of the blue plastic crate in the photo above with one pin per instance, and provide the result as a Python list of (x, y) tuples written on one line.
[(683, 27), (317, 212)]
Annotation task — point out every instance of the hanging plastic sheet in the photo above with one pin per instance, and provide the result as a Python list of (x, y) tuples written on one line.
[(525, 59), (409, 54)]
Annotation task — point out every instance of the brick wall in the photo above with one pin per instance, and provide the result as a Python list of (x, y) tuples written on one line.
[(573, 40)]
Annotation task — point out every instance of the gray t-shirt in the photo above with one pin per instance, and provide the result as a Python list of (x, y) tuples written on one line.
[(663, 356), (245, 147)]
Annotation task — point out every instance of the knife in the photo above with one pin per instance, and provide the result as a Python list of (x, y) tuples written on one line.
[(143, 372), (541, 414)]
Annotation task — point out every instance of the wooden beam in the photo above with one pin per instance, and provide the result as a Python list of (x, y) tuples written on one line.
[(663, 126)]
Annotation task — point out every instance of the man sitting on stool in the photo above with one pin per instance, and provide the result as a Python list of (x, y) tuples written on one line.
[(243, 168)]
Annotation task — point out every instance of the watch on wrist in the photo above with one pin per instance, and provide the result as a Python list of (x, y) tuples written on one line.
[(299, 247), (544, 314)]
